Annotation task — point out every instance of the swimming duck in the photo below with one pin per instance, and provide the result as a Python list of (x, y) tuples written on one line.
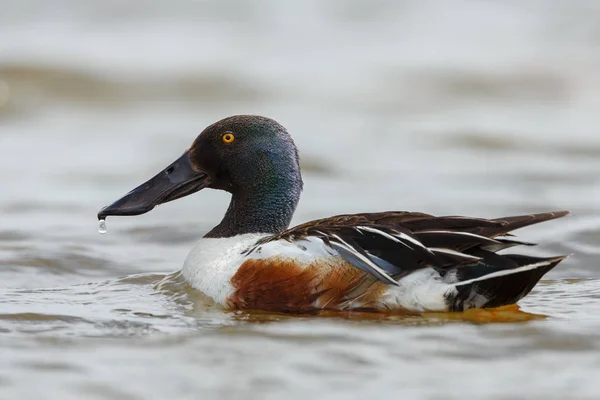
[(387, 262)]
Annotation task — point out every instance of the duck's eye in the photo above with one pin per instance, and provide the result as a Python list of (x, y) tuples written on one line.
[(228, 138)]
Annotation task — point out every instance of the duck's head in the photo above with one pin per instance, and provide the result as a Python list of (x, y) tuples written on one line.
[(252, 157)]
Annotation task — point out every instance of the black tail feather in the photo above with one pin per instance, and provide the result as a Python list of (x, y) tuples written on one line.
[(505, 286)]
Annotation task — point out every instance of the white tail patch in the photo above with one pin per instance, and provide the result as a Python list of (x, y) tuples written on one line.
[(421, 290)]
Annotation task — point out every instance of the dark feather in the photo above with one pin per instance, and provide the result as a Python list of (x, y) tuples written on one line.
[(453, 239), (503, 243), (494, 290), (389, 245)]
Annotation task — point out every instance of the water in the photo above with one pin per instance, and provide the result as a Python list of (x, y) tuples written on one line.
[(479, 108)]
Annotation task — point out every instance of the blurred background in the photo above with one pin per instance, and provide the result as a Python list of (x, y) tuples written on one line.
[(456, 107)]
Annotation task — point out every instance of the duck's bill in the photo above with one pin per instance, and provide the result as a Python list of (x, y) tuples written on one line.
[(177, 180)]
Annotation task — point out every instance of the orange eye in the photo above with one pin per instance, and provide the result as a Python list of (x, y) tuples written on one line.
[(228, 138)]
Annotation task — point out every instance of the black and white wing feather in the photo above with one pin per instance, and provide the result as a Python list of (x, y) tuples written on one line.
[(391, 245)]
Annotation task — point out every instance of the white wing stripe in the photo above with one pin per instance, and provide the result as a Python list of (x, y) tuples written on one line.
[(364, 259), (412, 240), (384, 234), (473, 235), (454, 253), (507, 272)]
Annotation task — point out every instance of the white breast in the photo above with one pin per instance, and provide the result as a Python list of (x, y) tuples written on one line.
[(212, 262)]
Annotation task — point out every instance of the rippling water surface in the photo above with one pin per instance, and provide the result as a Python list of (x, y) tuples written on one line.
[(478, 108)]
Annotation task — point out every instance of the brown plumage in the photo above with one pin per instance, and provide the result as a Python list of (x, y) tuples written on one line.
[(280, 284)]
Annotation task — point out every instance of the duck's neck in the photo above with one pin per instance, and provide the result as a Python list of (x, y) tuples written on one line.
[(267, 207)]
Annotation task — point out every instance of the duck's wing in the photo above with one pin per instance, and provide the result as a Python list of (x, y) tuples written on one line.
[(390, 245)]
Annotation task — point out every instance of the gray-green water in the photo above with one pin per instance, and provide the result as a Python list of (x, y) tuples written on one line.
[(479, 108)]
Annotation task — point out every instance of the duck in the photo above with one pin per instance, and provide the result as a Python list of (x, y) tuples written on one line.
[(387, 262)]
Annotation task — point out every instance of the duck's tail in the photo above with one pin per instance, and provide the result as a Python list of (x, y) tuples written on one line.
[(508, 283)]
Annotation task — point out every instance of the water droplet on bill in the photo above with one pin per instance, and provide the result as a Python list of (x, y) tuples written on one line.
[(102, 226)]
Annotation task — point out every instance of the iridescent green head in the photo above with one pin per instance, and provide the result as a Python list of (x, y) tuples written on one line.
[(252, 157)]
